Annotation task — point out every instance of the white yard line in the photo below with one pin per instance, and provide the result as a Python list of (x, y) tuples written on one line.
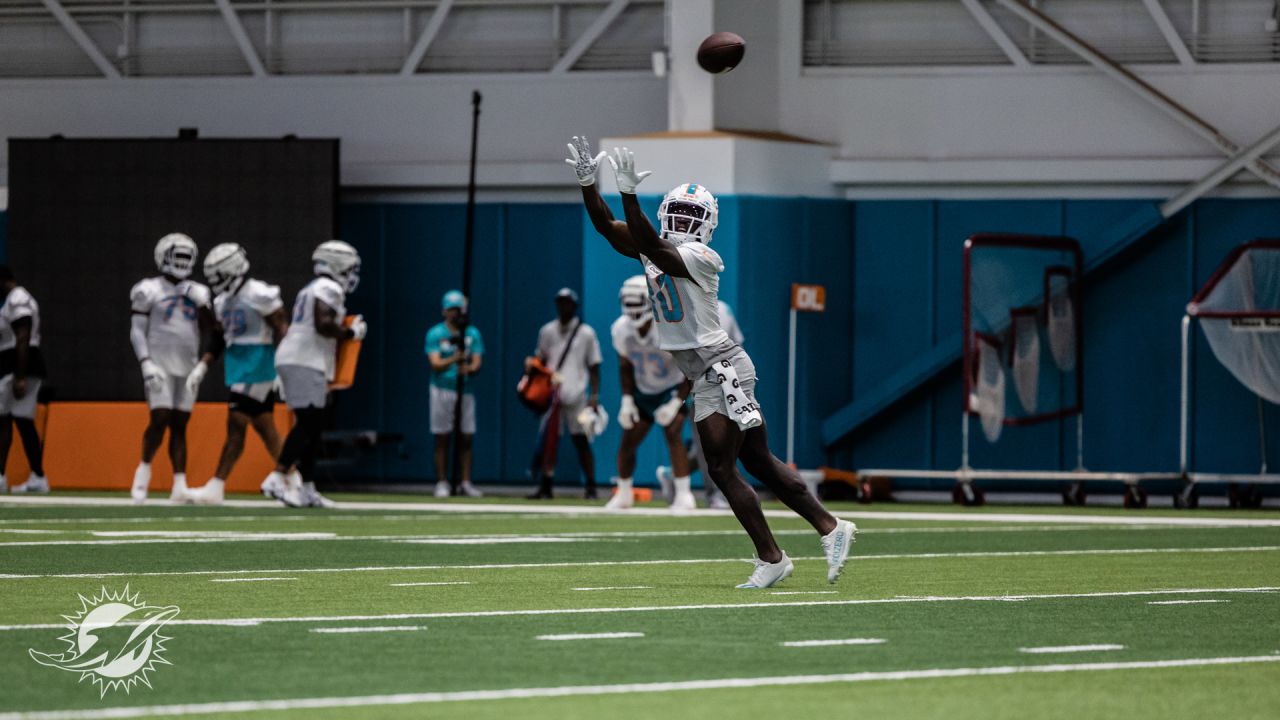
[(526, 509), (430, 584), (803, 592), (1050, 649), (675, 608), (829, 643), (677, 561), (1185, 602), (593, 636), (253, 579), (239, 706), (371, 629), (619, 587)]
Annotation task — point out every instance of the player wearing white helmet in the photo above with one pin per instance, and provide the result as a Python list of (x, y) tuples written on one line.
[(684, 283), (305, 362), (653, 390), (252, 321), (173, 337)]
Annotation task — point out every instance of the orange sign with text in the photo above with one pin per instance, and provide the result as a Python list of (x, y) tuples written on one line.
[(808, 298)]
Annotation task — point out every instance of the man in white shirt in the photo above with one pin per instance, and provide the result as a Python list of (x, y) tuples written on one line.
[(21, 370), (173, 337), (569, 338), (305, 362), (684, 283)]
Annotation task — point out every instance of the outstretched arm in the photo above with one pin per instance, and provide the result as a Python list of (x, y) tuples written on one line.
[(587, 168), (644, 237)]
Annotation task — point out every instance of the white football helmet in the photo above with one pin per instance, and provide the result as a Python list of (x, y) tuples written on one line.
[(176, 255), (688, 212), (339, 262), (634, 297), (225, 267)]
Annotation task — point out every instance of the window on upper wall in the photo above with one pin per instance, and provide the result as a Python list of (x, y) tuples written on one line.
[(889, 33)]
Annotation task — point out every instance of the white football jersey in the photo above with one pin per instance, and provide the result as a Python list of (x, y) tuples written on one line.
[(686, 309), (243, 312), (19, 304), (173, 326), (655, 369), (302, 345)]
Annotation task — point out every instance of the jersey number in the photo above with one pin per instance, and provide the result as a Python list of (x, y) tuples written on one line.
[(236, 321), (666, 299), (300, 308), (173, 302)]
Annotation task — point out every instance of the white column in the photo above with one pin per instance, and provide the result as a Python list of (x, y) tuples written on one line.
[(690, 90)]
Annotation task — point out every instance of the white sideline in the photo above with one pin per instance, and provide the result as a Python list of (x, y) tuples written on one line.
[(252, 579), (1185, 602), (619, 689), (370, 629), (678, 561), (530, 509), (239, 622), (830, 643), (1049, 649), (593, 636), (426, 584), (619, 587)]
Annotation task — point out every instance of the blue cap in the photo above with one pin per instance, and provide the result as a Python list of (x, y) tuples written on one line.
[(455, 299), (567, 293)]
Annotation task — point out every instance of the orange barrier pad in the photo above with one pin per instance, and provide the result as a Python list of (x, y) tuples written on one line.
[(97, 445)]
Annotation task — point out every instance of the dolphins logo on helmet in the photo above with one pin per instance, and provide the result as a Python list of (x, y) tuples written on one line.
[(114, 641), (225, 267), (634, 298), (688, 213), (339, 262), (176, 255)]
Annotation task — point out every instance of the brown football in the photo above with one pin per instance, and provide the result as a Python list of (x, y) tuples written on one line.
[(721, 52)]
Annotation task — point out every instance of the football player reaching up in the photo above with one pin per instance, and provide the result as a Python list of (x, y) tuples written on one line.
[(174, 338), (653, 390), (684, 280), (251, 318), (305, 362)]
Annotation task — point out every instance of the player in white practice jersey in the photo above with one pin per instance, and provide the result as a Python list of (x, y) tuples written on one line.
[(653, 390), (305, 362), (173, 337), (21, 370), (684, 280), (251, 319)]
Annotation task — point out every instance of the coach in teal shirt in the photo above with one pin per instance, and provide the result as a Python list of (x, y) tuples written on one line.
[(446, 361)]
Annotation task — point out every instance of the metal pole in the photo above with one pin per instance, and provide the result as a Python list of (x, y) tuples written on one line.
[(791, 390), (468, 242), (1262, 437), (1080, 441), (1182, 434)]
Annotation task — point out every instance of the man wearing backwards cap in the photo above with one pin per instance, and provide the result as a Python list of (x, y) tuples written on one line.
[(581, 364), (449, 356)]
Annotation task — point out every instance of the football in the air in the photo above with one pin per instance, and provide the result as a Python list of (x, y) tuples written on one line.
[(721, 52)]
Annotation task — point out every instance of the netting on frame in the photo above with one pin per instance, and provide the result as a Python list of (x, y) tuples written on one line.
[(1022, 329), (1239, 312)]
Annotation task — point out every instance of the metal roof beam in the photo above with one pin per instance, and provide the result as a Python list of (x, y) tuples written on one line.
[(423, 43), (997, 33), (589, 36), (241, 37), (82, 39), (1170, 34)]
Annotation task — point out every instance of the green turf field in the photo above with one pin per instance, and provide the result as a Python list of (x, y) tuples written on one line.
[(386, 608)]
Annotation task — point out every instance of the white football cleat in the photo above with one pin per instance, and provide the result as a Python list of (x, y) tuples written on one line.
[(836, 545), (179, 495), (34, 484), (313, 497), (717, 501), (684, 502), (768, 574), (141, 481), (211, 493), (469, 490), (273, 486), (292, 493), (621, 500), (666, 482), (443, 490)]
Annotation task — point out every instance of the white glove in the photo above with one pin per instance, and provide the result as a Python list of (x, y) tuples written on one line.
[(586, 166), (667, 411), (359, 327), (593, 420), (624, 169), (628, 414), (152, 375), (196, 377)]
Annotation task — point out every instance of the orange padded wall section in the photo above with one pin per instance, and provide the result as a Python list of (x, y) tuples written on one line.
[(97, 445)]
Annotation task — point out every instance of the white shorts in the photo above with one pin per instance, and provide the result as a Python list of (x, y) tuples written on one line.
[(708, 398), (258, 391), (171, 395), (24, 408), (304, 387), (569, 418), (443, 403)]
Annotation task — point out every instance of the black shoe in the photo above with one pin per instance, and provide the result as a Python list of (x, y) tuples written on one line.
[(591, 494), (541, 494)]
